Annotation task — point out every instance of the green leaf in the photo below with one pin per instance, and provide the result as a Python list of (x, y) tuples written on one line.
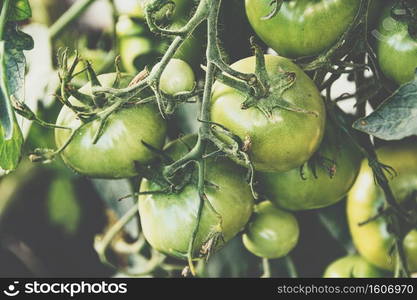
[(396, 117), (19, 10), (10, 150), (6, 111), (12, 75), (15, 61), (17, 39)]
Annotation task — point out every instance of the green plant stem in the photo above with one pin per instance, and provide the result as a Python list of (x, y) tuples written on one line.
[(3, 17), (290, 266), (366, 147), (156, 261), (76, 10), (266, 268), (101, 245), (212, 51)]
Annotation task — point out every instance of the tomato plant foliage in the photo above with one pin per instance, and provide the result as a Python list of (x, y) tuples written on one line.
[(12, 68), (395, 118)]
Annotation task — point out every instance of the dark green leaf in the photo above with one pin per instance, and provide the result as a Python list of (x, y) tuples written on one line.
[(19, 10), (10, 150), (6, 111), (13, 65), (17, 39), (14, 60), (12, 75), (396, 117)]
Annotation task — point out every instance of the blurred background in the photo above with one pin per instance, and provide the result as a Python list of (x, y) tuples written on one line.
[(50, 216)]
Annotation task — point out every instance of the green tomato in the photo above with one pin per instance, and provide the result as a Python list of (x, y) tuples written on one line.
[(168, 220), (177, 77), (352, 266), (324, 181), (302, 27), (128, 27), (144, 55), (120, 145), (365, 199), (272, 232), (286, 139), (396, 49), (137, 49)]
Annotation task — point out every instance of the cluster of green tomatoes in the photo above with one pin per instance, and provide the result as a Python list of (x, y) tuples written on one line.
[(303, 161)]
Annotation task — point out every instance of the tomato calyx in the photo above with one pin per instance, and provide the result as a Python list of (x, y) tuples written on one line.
[(319, 161), (215, 238), (266, 93), (406, 11)]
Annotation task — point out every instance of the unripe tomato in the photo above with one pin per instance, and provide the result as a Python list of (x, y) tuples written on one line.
[(365, 199), (177, 77), (323, 182), (137, 49), (302, 27), (284, 140), (120, 145), (168, 220), (352, 266), (272, 232), (410, 248), (396, 49)]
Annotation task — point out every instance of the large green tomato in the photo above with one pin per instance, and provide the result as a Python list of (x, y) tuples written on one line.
[(396, 49), (325, 180), (302, 27), (352, 266), (284, 140), (373, 240), (120, 145), (168, 220), (272, 232)]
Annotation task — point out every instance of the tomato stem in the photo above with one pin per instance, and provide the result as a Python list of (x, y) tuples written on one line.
[(77, 9), (266, 268)]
